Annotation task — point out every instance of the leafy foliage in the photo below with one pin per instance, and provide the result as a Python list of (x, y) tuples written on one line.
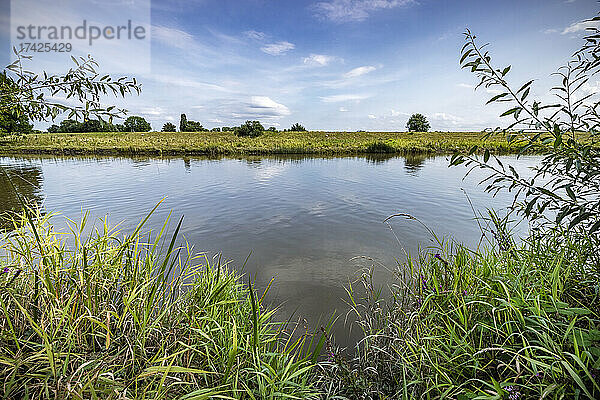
[(99, 320), (250, 128), (182, 123), (190, 126), (297, 128), (136, 124), (510, 322), (34, 95), (12, 119), (380, 147), (564, 189), (91, 125), (417, 123), (169, 127)]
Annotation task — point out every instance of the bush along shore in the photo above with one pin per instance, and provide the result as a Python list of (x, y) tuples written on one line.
[(227, 143)]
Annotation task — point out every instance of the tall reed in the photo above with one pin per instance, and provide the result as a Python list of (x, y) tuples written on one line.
[(515, 321), (95, 313)]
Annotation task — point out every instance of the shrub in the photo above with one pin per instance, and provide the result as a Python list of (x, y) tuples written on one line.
[(380, 147), (92, 125), (169, 127), (417, 123), (190, 126), (297, 128), (250, 128), (136, 124), (215, 130)]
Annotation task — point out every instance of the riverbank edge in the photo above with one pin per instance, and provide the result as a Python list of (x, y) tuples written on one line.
[(227, 144)]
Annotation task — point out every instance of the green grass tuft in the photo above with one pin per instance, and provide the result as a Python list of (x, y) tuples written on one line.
[(99, 314)]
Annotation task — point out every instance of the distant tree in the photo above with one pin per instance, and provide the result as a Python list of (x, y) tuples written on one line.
[(14, 122), (70, 126), (417, 123), (272, 129), (215, 130), (193, 126), (90, 125), (94, 125), (226, 129), (53, 128), (183, 123), (169, 127), (119, 128), (136, 124), (12, 118), (249, 128), (297, 128)]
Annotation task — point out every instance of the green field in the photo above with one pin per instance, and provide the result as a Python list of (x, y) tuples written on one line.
[(226, 143)]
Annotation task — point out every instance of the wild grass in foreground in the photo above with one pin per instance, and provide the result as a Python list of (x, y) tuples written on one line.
[(104, 315), (512, 322)]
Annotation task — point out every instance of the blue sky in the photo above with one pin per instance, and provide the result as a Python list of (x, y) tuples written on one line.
[(343, 64)]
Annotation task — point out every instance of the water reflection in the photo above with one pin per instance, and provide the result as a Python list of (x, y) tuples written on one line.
[(303, 219), (27, 179), (414, 162), (379, 158)]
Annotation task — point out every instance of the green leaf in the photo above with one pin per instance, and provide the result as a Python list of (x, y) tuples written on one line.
[(570, 192), (496, 98), (511, 111), (525, 86)]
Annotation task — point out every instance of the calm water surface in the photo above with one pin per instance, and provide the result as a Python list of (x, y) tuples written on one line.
[(304, 220)]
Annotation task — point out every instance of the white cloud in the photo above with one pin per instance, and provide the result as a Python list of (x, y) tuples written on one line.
[(152, 111), (354, 10), (465, 85), (395, 113), (581, 26), (187, 83), (255, 35), (279, 48), (343, 109), (359, 71), (593, 88), (448, 118), (266, 106), (318, 60), (551, 30), (172, 36), (371, 116), (338, 98)]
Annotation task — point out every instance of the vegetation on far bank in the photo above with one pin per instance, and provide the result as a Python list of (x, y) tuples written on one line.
[(227, 143)]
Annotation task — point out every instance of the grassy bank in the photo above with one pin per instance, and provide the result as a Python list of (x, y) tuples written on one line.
[(92, 316), (97, 315), (511, 321), (225, 143)]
